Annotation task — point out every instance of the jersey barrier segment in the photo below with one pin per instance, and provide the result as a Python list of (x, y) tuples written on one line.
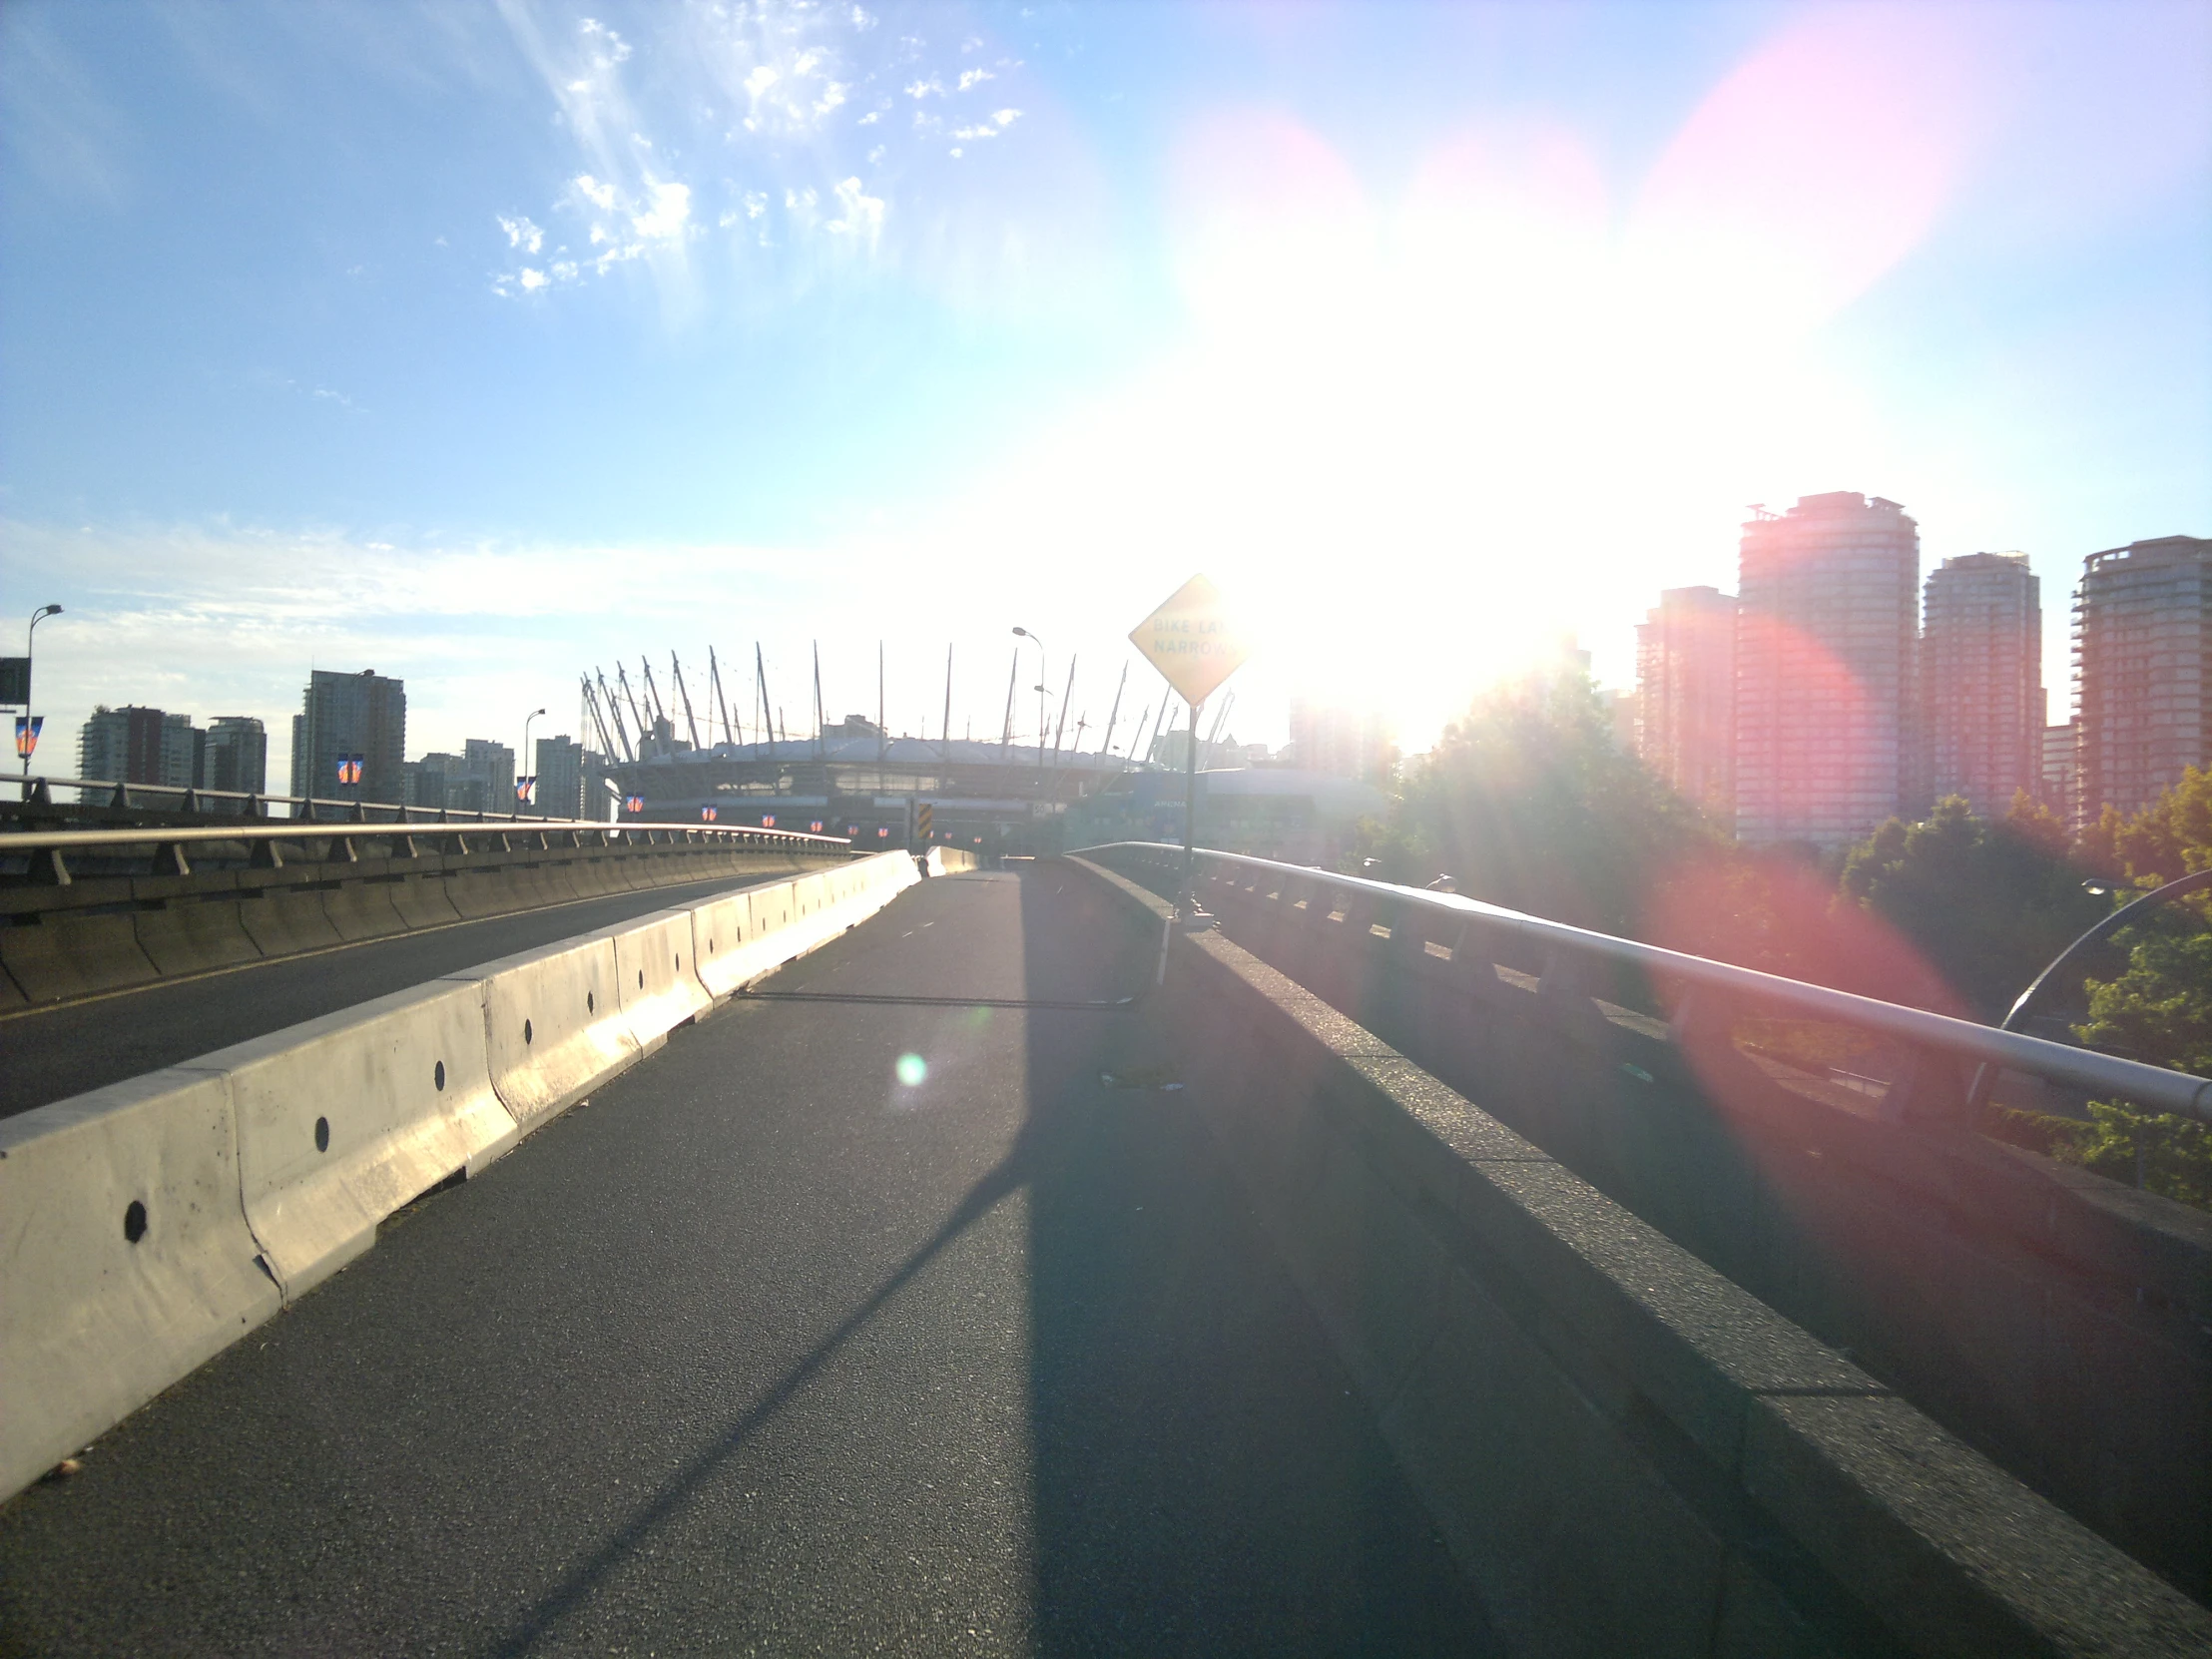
[(146, 1226)]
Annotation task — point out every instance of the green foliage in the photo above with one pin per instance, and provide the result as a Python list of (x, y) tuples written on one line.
[(2160, 1152), (2162, 843), (1988, 904), (1528, 802), (2160, 1009)]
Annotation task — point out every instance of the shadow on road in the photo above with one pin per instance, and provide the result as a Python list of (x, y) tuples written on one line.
[(1205, 1480)]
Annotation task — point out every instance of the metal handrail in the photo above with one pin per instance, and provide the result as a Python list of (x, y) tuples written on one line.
[(250, 830), (193, 792), (2178, 1092)]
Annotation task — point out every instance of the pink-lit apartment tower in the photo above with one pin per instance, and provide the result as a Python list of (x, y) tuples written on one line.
[(1827, 637), (1981, 680), (1685, 695), (2142, 671)]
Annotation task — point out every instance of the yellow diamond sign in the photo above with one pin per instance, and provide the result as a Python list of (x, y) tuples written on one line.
[(1191, 641)]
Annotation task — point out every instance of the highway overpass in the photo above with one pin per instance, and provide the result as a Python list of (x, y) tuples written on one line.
[(847, 1262)]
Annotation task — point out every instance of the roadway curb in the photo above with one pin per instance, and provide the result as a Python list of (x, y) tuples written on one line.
[(1627, 1452), (147, 1225)]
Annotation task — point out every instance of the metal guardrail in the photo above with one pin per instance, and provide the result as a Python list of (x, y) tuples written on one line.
[(1984, 1045), (39, 790), (48, 850)]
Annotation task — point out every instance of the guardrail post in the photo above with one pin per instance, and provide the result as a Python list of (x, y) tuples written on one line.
[(1930, 1093), (170, 860), (264, 854)]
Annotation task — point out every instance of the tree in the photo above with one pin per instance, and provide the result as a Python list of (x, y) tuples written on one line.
[(1528, 802), (1988, 906), (2163, 842)]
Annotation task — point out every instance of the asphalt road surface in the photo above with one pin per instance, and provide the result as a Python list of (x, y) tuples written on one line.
[(55, 1053), (871, 1324)]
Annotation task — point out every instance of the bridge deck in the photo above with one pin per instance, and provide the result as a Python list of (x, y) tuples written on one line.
[(765, 1350)]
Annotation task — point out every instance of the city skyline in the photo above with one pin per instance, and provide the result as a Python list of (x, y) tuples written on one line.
[(1429, 333)]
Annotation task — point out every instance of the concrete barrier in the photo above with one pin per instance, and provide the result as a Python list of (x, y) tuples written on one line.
[(364, 910), (1626, 1451), (737, 937), (193, 935), (343, 1119), (656, 976), (63, 955), (726, 943), (771, 907), (124, 1259), (284, 923), (554, 1026)]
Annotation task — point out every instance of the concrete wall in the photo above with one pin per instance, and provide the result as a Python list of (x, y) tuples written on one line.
[(1628, 1453), (2057, 1322)]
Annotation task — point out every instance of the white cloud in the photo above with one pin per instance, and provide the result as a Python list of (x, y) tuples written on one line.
[(756, 203), (860, 215), (666, 218), (618, 50), (872, 117), (1006, 118), (965, 133), (862, 21), (598, 194), (924, 87), (532, 281), (522, 234), (761, 78), (974, 77)]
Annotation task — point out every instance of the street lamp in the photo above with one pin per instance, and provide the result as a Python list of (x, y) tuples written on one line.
[(1041, 677), (30, 638), (524, 757)]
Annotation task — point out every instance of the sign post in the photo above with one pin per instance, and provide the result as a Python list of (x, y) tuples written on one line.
[(1195, 645)]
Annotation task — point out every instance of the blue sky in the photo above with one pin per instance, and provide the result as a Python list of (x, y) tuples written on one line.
[(485, 344)]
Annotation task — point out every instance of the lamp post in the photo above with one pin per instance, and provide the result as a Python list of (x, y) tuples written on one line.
[(524, 757), (1039, 644), (30, 638)]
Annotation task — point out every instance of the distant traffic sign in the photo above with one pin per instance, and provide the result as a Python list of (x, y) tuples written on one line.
[(1191, 641), (924, 817)]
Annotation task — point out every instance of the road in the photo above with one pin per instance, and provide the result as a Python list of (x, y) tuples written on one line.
[(862, 1324), (55, 1053)]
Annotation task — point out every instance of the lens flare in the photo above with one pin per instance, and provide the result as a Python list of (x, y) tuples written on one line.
[(911, 1069)]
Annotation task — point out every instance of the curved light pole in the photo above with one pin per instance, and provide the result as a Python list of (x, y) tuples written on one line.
[(1039, 644), (30, 638), (2134, 911), (524, 757)]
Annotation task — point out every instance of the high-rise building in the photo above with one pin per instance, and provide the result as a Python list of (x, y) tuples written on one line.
[(363, 714), (1340, 741), (493, 766), (134, 745), (2142, 671), (1981, 680), (560, 774), (1827, 634), (235, 755), (426, 779), (2059, 742), (1686, 695)]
